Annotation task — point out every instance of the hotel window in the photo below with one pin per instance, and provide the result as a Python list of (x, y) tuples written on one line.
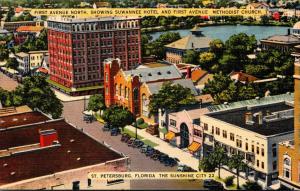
[(120, 90), (106, 77), (252, 148), (197, 133), (274, 164), (212, 129), (262, 152), (257, 150), (231, 136), (205, 126), (172, 122), (246, 145), (257, 163), (274, 151), (239, 143), (116, 89), (262, 165), (224, 134), (217, 130)]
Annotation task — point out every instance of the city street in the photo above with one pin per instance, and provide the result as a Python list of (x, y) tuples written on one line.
[(139, 162), (7, 83)]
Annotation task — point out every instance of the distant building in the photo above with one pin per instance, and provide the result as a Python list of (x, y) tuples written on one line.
[(36, 58), (201, 77), (12, 26), (253, 129), (242, 77), (40, 153), (133, 88), (87, 42), (24, 32), (284, 43), (102, 5), (23, 60), (195, 41), (259, 5)]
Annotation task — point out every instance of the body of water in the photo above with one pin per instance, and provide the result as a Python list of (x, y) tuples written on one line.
[(225, 31)]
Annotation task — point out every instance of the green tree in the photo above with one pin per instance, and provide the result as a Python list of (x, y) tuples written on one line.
[(264, 20), (4, 53), (117, 116), (12, 63), (217, 47), (170, 97), (190, 57), (252, 186), (207, 164), (236, 162), (206, 60), (36, 93), (223, 89), (96, 103), (220, 157)]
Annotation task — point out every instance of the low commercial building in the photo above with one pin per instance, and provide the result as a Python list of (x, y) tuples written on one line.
[(37, 152), (253, 129), (195, 41), (36, 58), (284, 43)]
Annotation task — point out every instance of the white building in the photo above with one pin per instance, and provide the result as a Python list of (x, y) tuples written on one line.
[(23, 60), (252, 128)]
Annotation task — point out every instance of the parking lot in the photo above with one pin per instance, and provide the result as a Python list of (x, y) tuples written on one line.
[(7, 83), (139, 162)]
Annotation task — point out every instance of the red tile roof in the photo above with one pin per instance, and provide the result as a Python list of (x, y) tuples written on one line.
[(243, 77), (29, 29), (198, 74)]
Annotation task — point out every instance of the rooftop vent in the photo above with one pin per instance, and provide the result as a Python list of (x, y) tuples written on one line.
[(68, 151), (5, 164), (249, 118), (257, 98), (15, 119), (12, 173), (72, 140), (168, 72), (149, 74), (159, 73), (78, 159), (140, 75)]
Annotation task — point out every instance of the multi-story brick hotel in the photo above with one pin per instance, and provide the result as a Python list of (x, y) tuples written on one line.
[(78, 47)]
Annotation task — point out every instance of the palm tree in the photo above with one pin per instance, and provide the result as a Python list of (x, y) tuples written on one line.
[(236, 161), (220, 157)]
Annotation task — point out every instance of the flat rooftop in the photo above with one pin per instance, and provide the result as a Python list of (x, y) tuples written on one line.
[(22, 119), (268, 127), (75, 150)]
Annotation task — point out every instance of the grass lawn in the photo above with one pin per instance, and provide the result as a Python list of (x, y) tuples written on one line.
[(66, 89), (150, 143), (143, 125), (132, 134)]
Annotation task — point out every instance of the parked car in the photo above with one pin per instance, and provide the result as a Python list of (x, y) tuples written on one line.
[(130, 142), (88, 118), (170, 162), (212, 184), (149, 152), (182, 168), (162, 158), (155, 155), (143, 149), (106, 127), (115, 131), (138, 143), (125, 137)]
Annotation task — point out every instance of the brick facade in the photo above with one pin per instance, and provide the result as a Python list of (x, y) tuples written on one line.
[(78, 47)]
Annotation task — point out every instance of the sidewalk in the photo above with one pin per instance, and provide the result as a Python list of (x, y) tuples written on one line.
[(184, 157), (65, 98)]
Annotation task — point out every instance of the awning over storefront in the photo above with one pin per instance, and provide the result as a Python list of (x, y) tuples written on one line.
[(194, 146), (170, 135)]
